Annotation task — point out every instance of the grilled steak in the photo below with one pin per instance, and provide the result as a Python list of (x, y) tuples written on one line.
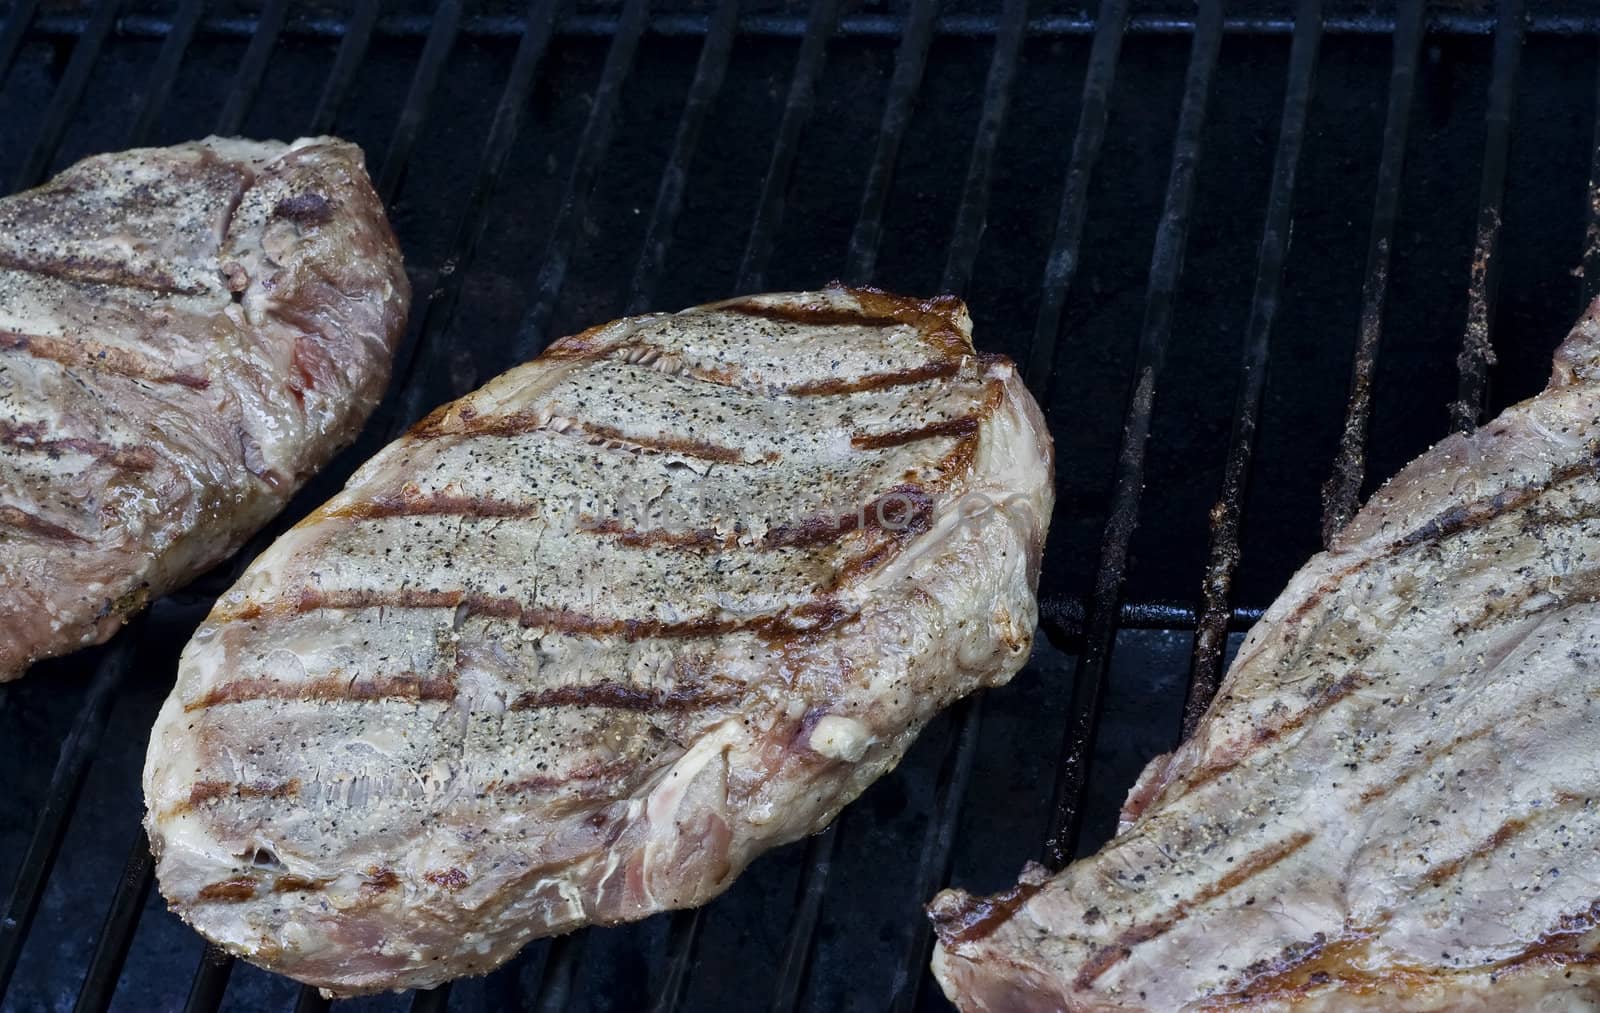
[(585, 642), (186, 334), (1394, 801)]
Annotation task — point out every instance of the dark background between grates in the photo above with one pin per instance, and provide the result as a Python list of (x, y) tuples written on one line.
[(1138, 172)]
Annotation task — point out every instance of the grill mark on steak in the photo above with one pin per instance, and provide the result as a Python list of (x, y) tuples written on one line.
[(1427, 760), (204, 792), (77, 269), (621, 696), (236, 890), (388, 687), (519, 423), (966, 425), (1107, 957), (22, 520), (1503, 834), (805, 617), (89, 354), (937, 370), (1268, 734), (33, 437)]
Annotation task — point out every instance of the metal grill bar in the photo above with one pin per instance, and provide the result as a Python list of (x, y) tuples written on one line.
[(441, 303), (442, 32), (1477, 344), (1165, 269), (903, 88), (253, 68), (955, 769), (77, 750), (973, 209), (682, 935), (1591, 235), (1062, 265), (854, 26), (116, 934), (17, 23), (796, 112), (432, 1000), (533, 331), (210, 980), (165, 73), (709, 73), (560, 971), (68, 94), (862, 255), (1343, 487), (352, 51), (1212, 635)]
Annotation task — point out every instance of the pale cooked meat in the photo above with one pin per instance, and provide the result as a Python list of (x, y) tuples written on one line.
[(186, 335), (590, 639), (1394, 802)]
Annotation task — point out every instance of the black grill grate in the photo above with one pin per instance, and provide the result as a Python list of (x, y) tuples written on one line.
[(559, 165)]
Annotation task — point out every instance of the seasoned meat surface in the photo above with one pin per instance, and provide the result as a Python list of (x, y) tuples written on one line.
[(1394, 801), (186, 335), (585, 642)]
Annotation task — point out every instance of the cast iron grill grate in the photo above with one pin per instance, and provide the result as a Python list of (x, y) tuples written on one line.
[(1113, 189)]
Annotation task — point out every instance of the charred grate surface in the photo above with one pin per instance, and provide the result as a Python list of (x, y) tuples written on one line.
[(1112, 186)]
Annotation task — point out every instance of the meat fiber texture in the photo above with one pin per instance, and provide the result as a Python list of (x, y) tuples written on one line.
[(186, 335), (587, 641), (1394, 801)]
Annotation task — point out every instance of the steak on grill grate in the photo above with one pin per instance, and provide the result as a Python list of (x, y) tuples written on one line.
[(587, 641), (1394, 801), (186, 335)]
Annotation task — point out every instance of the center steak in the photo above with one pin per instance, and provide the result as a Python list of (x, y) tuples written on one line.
[(1394, 801), (587, 641), (186, 335)]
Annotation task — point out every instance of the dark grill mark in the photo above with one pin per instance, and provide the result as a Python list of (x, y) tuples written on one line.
[(99, 271), (231, 891), (33, 438), (967, 425), (621, 696), (209, 791), (87, 354), (389, 687), (463, 422), (21, 520), (1241, 872), (1236, 754), (1502, 836), (810, 617), (976, 917), (877, 381)]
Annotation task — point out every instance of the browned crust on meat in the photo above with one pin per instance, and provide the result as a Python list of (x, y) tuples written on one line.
[(21, 520), (86, 353)]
